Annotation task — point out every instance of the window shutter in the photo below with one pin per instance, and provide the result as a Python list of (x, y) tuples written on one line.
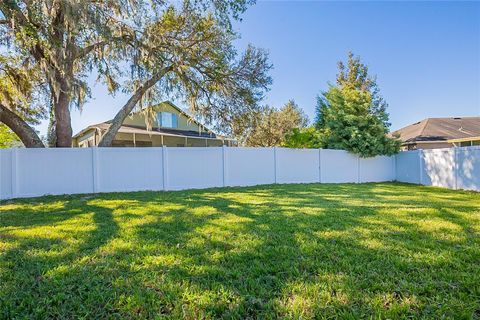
[(159, 119), (174, 120)]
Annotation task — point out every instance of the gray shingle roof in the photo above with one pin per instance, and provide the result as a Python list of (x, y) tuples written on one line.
[(155, 131), (440, 129)]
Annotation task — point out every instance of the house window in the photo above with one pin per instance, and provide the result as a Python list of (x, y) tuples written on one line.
[(167, 120)]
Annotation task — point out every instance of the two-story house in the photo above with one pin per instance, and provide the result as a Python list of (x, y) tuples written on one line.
[(173, 128)]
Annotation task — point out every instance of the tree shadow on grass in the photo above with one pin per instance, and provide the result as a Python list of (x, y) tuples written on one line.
[(43, 245), (257, 278), (260, 252)]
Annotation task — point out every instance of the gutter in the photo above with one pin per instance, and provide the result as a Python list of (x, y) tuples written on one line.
[(475, 138)]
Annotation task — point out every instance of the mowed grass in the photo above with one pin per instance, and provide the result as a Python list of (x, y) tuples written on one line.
[(279, 251)]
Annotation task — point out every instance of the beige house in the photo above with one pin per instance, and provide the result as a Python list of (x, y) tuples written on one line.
[(433, 133), (172, 128)]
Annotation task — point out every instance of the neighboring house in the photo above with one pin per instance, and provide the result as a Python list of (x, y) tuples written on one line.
[(172, 128), (433, 133)]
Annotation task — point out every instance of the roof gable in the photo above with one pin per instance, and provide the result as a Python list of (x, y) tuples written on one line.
[(186, 123)]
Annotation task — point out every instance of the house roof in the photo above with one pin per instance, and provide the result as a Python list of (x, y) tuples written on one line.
[(206, 133), (154, 131), (440, 129)]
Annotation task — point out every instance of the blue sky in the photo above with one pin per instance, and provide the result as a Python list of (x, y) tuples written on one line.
[(426, 55)]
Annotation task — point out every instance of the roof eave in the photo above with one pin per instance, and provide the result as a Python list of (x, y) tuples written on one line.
[(475, 138)]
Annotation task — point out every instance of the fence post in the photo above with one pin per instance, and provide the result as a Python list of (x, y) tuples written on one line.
[(275, 164), (394, 167), (14, 173), (358, 169), (165, 167), (95, 169), (320, 165), (224, 164), (2, 175), (1, 193), (420, 157), (455, 165)]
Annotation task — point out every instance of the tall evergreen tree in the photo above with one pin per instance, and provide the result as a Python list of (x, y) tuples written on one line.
[(352, 115)]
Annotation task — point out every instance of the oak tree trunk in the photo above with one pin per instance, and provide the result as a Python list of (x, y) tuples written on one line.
[(27, 134), (63, 128)]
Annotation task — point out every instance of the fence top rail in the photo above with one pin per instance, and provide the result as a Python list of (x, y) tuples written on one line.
[(213, 147), (159, 148)]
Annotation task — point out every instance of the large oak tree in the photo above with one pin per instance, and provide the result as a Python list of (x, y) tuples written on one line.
[(153, 50), (19, 107)]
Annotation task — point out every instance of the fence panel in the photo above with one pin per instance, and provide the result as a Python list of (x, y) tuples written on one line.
[(468, 168), (249, 166), (194, 168), (377, 169), (53, 171), (36, 172), (407, 167), (438, 168), (338, 166), (297, 165), (6, 173), (128, 169)]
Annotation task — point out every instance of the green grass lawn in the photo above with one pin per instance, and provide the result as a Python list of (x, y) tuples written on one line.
[(280, 251)]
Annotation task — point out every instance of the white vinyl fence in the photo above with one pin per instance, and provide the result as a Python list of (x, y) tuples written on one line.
[(453, 168), (36, 172)]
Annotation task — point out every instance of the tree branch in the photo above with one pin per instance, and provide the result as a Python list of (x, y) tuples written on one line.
[(117, 122), (26, 133), (14, 11), (82, 52)]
